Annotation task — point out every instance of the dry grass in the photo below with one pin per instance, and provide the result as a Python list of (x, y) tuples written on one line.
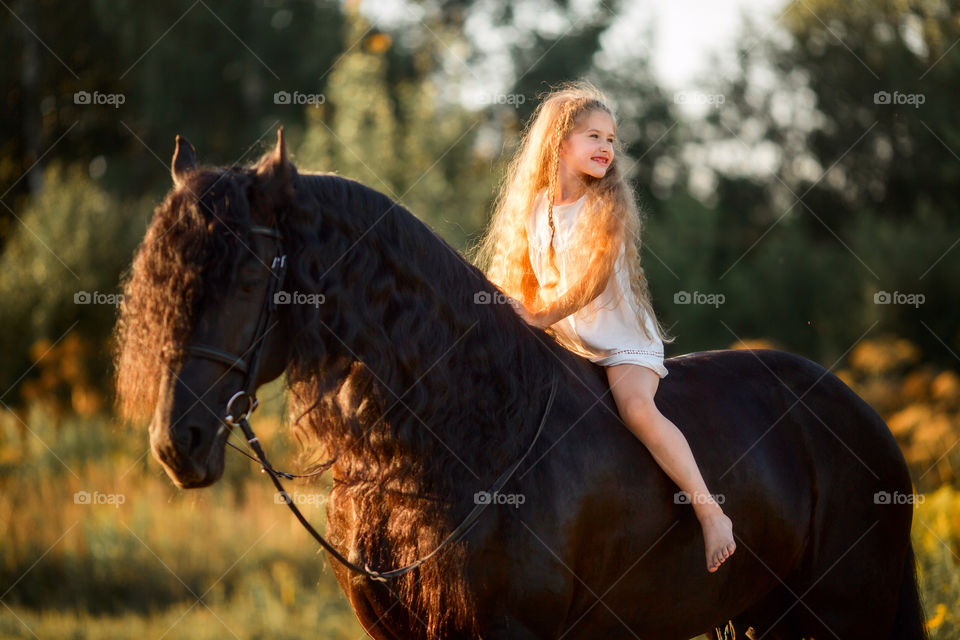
[(229, 562), (222, 562)]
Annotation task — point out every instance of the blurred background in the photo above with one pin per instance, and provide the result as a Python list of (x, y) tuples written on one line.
[(796, 163)]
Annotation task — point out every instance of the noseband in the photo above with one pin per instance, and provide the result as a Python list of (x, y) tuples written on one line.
[(237, 416)]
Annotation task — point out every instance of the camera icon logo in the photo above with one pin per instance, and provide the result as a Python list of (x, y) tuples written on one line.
[(281, 297), (81, 97), (482, 297), (881, 97), (681, 297), (881, 297), (81, 297), (81, 497), (281, 97)]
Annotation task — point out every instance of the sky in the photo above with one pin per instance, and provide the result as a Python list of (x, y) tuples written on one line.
[(678, 36), (685, 32)]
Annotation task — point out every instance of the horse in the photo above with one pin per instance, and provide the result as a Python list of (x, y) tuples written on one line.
[(415, 383)]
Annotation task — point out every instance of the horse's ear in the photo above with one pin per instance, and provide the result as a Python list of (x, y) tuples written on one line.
[(184, 161), (276, 165)]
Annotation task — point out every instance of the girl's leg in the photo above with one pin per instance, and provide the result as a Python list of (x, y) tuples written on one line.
[(633, 387)]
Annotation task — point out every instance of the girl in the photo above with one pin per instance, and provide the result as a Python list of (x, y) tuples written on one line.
[(562, 242)]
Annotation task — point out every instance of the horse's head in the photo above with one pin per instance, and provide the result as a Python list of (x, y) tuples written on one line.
[(197, 323)]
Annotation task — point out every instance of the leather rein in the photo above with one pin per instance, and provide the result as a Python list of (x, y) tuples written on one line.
[(243, 403)]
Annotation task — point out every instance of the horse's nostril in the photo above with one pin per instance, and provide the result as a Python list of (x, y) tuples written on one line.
[(194, 437), (187, 439)]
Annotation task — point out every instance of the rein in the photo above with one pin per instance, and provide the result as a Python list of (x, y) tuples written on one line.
[(237, 416)]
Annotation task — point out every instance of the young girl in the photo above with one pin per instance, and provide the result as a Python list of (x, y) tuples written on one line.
[(563, 242)]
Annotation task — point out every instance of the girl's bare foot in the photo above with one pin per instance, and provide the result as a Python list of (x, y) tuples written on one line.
[(718, 539)]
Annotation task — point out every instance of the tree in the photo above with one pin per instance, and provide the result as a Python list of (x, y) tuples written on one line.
[(865, 151), (59, 282), (400, 134)]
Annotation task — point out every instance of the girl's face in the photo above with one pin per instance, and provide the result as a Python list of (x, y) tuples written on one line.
[(588, 148)]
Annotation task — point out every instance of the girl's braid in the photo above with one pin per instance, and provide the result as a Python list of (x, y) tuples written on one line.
[(561, 128)]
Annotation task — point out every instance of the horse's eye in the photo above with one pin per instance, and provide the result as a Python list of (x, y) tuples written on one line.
[(248, 280)]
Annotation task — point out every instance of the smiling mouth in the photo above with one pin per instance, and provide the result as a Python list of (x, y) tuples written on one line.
[(600, 160)]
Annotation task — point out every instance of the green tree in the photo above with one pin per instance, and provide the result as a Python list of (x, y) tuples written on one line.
[(865, 151), (401, 134), (59, 278)]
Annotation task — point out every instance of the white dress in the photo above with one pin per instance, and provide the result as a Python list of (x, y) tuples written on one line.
[(613, 334)]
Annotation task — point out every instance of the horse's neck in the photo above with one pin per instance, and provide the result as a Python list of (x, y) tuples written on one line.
[(442, 371), (411, 295)]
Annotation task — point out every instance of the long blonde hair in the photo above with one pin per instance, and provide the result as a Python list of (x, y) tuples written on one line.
[(609, 216)]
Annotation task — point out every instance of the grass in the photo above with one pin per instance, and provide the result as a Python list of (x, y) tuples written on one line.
[(936, 540), (144, 559), (151, 561)]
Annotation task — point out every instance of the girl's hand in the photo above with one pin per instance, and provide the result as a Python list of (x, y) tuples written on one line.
[(536, 319)]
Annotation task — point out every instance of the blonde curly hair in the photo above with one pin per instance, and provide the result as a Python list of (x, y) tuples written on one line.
[(610, 214)]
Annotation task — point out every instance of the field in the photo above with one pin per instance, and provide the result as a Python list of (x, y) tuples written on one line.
[(142, 559), (133, 557)]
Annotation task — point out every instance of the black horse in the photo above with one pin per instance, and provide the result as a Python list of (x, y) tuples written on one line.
[(414, 383)]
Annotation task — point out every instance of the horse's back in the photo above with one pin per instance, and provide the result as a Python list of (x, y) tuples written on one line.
[(780, 441)]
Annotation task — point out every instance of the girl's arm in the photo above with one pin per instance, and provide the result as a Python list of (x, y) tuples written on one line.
[(573, 298)]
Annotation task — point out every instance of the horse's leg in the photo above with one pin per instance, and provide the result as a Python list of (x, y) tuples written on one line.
[(510, 628), (378, 610), (848, 590), (850, 600), (775, 617), (375, 624)]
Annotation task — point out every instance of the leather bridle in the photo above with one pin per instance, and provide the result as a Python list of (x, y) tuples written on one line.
[(249, 368)]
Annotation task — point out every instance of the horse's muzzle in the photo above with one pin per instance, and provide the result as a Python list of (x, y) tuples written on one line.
[(191, 459)]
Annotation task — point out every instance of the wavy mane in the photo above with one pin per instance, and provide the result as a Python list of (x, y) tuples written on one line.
[(416, 395)]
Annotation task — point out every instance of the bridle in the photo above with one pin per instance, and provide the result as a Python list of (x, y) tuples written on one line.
[(250, 367), (234, 417)]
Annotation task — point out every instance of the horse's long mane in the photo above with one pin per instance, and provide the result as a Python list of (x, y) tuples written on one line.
[(405, 300), (186, 264), (399, 318)]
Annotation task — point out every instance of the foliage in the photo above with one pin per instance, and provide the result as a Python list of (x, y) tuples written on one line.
[(58, 281), (410, 140), (919, 401), (849, 106)]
